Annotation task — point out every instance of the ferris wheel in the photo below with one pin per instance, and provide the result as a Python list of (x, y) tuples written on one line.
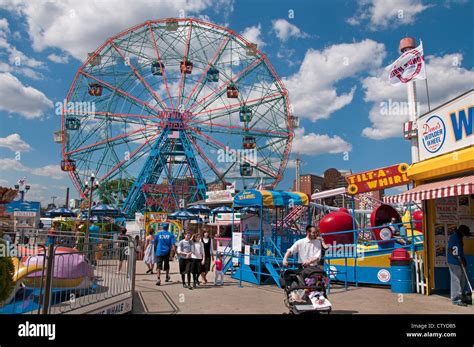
[(170, 108)]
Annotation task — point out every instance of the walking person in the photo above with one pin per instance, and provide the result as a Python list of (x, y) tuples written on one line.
[(308, 249), (149, 258), (198, 256), (455, 260), (209, 255), (219, 276), (185, 248), (123, 248), (165, 243)]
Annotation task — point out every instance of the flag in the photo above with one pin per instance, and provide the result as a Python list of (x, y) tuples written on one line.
[(173, 134), (410, 66)]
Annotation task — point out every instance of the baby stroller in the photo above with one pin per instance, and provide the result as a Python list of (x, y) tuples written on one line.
[(305, 290)]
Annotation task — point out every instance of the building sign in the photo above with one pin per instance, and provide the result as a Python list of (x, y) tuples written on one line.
[(447, 210), (377, 179), (220, 195), (24, 214), (447, 128)]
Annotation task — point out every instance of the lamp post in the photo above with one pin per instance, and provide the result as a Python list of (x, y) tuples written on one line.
[(94, 185)]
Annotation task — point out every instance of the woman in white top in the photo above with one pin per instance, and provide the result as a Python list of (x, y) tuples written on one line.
[(149, 258), (198, 256)]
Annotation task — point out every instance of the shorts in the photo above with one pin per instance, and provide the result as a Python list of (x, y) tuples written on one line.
[(122, 254), (163, 262), (185, 265)]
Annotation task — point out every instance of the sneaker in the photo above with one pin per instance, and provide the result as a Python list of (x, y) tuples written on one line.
[(185, 285), (194, 285), (158, 282), (168, 279), (189, 287), (460, 303)]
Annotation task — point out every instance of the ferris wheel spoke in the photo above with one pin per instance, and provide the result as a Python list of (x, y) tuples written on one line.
[(236, 107), (118, 116), (121, 92), (183, 70), (140, 77), (207, 160), (221, 89), (130, 157), (110, 139), (159, 59), (243, 157), (237, 130), (201, 82)]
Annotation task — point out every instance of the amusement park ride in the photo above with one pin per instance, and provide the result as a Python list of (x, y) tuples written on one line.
[(173, 105)]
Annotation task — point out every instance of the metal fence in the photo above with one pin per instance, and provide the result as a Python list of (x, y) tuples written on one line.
[(70, 273)]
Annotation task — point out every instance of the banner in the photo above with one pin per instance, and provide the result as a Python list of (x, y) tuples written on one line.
[(377, 179), (410, 66)]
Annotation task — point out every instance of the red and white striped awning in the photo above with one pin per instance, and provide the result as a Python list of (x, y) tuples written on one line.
[(435, 190)]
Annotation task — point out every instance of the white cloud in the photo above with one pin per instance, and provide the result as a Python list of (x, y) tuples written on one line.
[(315, 144), (10, 164), (79, 27), (312, 89), (18, 98), (383, 14), (446, 80), (291, 164), (17, 60), (59, 59), (284, 30), (14, 142), (51, 171), (253, 34)]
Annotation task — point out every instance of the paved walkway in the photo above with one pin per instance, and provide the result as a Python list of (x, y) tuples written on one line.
[(172, 298)]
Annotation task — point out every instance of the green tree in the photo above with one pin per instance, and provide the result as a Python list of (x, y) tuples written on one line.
[(114, 192), (6, 276)]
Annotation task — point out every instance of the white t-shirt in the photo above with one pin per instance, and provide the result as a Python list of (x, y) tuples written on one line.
[(197, 250), (307, 249)]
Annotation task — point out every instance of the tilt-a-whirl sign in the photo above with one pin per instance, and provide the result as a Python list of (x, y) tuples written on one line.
[(378, 179)]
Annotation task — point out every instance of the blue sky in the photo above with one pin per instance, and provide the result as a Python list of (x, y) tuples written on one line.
[(329, 54)]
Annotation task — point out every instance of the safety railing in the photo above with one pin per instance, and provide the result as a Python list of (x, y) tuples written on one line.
[(57, 278)]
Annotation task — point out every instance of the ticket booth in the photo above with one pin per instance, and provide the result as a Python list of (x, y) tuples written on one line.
[(444, 182)]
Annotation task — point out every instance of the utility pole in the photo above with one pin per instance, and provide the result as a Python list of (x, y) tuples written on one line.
[(406, 44), (298, 173)]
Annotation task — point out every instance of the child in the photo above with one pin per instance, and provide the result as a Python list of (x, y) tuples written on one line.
[(219, 278)]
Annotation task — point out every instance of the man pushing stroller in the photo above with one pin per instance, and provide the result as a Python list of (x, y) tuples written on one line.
[(305, 289), (309, 249)]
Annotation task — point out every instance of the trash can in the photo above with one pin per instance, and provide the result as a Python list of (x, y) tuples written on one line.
[(401, 271)]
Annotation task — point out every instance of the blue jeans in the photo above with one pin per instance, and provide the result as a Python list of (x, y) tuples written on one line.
[(458, 282)]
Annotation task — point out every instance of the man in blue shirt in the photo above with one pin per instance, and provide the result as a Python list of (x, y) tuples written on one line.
[(454, 258), (164, 243)]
